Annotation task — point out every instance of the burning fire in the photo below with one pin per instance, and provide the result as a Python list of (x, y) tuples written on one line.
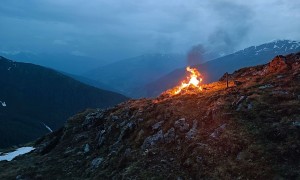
[(193, 81)]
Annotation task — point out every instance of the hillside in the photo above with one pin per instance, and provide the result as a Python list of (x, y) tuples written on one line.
[(91, 82), (34, 97), (130, 74), (69, 63), (213, 69), (247, 131)]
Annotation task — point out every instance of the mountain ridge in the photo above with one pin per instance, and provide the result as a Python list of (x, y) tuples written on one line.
[(70, 63), (249, 130), (214, 69), (34, 95), (130, 74)]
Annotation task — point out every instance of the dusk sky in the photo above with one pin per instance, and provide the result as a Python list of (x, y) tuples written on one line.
[(118, 29)]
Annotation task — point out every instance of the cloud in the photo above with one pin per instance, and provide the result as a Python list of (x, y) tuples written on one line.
[(78, 53), (234, 24), (60, 42), (123, 28)]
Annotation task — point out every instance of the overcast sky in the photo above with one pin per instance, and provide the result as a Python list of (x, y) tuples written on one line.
[(118, 29)]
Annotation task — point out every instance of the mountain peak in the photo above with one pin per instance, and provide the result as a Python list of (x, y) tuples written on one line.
[(279, 46)]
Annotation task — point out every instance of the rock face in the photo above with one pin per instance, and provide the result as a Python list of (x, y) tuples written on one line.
[(152, 140), (182, 125), (278, 64), (246, 131)]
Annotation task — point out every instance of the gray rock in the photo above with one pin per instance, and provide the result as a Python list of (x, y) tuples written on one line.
[(112, 153), (199, 159), (128, 127), (101, 137), (239, 156), (239, 103), (114, 118), (140, 119), (239, 107), (131, 125), (96, 162), (217, 132), (127, 152), (125, 130), (115, 148), (91, 117), (69, 150), (296, 123), (187, 162), (179, 178), (86, 148), (157, 125), (279, 76), (192, 132), (250, 106), (182, 125), (19, 177), (80, 137), (277, 92), (240, 100), (243, 155), (265, 86), (169, 136), (122, 123), (152, 140), (140, 111)]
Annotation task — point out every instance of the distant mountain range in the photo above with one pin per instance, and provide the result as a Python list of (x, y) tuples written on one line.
[(214, 69), (69, 63), (150, 74), (34, 99), (129, 75), (92, 82)]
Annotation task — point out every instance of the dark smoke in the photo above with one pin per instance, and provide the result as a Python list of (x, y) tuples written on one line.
[(228, 36), (195, 55), (222, 41)]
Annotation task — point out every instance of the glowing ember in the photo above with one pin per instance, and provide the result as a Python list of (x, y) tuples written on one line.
[(193, 81)]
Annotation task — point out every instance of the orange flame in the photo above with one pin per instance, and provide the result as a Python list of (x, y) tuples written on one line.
[(193, 81)]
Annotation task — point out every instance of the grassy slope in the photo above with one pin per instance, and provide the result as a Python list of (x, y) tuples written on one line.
[(36, 95)]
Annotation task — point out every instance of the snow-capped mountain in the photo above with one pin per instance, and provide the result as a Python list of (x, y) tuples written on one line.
[(276, 47), (214, 69)]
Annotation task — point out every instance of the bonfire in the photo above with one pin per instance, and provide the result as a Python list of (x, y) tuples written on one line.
[(191, 84)]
